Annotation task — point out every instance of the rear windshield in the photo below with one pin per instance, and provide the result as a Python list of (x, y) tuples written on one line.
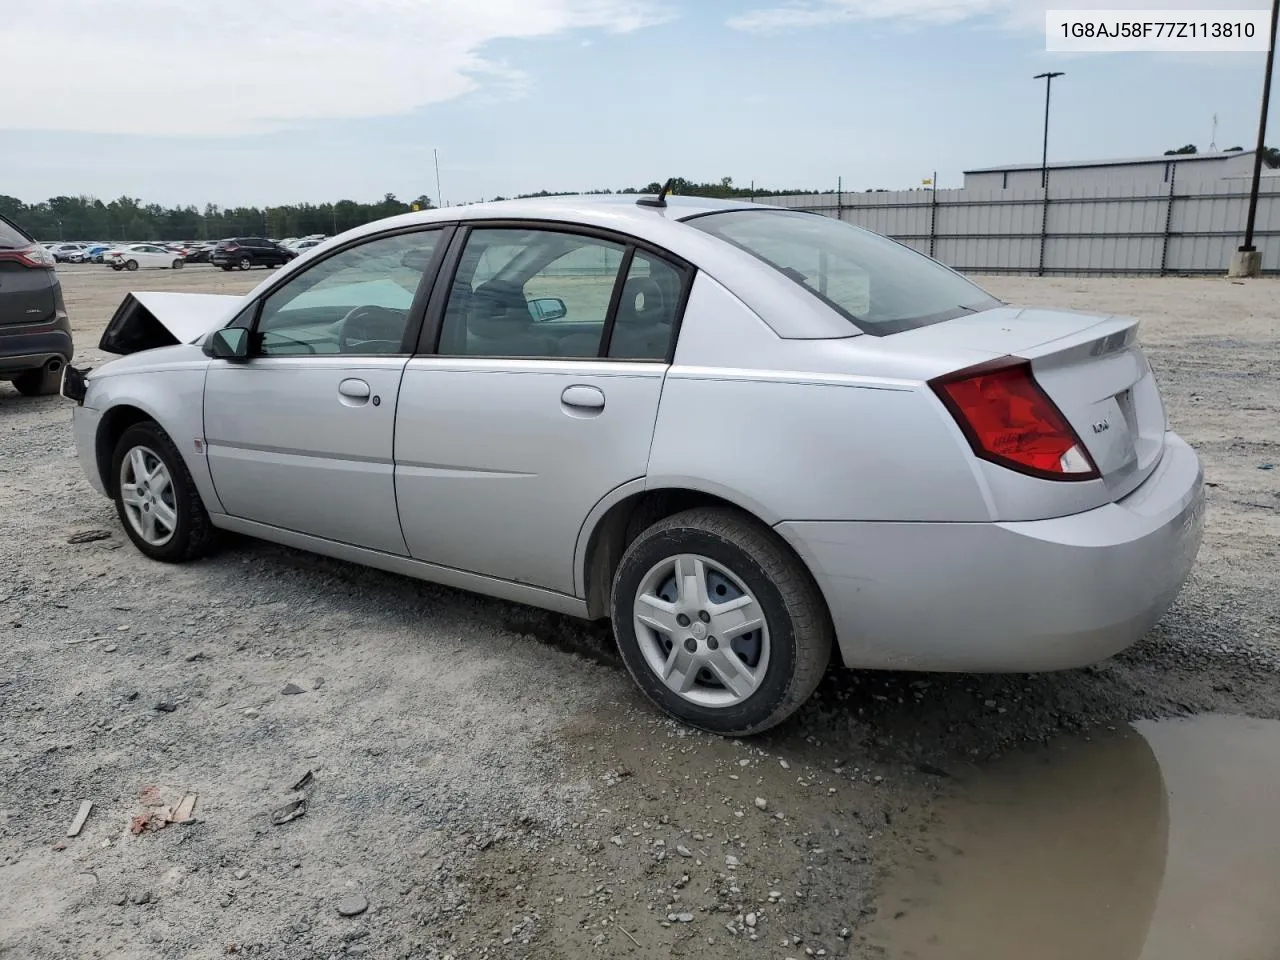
[(878, 284), (11, 238)]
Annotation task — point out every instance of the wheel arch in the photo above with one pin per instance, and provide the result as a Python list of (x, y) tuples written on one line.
[(620, 517)]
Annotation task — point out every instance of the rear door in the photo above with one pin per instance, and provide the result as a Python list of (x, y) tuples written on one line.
[(300, 436), (517, 427)]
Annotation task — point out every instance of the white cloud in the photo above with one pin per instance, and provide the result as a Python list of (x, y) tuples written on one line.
[(1018, 14), (160, 68)]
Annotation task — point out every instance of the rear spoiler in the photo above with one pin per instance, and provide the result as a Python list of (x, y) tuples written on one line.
[(145, 321)]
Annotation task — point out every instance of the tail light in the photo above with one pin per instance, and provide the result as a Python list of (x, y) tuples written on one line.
[(34, 256), (231, 246), (1009, 420)]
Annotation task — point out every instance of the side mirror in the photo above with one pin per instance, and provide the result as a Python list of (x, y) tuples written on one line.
[(228, 343), (547, 308)]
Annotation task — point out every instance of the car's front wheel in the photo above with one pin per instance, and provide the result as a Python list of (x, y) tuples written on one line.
[(719, 623), (156, 498)]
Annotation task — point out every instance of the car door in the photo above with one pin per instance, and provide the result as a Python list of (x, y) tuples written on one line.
[(515, 428), (299, 436)]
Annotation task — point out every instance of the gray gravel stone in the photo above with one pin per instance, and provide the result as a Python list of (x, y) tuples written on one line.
[(352, 905)]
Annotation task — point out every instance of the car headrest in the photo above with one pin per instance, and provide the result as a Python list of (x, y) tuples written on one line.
[(496, 310), (643, 302)]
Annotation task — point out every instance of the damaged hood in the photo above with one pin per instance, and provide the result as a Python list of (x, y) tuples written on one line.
[(144, 321)]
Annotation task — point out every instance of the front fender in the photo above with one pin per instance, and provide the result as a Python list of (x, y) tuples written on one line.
[(173, 398)]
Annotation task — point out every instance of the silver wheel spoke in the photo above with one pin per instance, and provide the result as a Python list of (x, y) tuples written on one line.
[(656, 613), (148, 525), (732, 672), (160, 481), (138, 463), (165, 515), (680, 670), (691, 580), (733, 619), (129, 494)]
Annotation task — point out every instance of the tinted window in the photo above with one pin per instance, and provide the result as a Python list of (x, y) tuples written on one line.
[(645, 323), (879, 285), (530, 293), (355, 302)]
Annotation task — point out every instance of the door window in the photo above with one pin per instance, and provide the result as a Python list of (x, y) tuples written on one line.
[(530, 293), (354, 302), (645, 324)]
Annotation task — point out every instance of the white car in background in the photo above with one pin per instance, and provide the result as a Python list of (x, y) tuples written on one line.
[(142, 255)]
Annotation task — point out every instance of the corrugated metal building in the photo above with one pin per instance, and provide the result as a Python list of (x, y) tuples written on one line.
[(1108, 174)]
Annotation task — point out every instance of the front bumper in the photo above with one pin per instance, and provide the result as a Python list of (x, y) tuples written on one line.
[(84, 427), (1010, 597)]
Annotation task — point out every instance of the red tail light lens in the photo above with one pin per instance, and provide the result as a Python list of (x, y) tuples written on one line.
[(1009, 420), (34, 256)]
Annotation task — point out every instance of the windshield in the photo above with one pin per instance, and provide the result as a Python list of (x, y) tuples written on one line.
[(878, 284)]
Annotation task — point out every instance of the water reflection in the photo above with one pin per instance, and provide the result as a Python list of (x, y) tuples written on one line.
[(1159, 842)]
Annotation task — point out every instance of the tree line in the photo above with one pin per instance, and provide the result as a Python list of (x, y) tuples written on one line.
[(129, 218)]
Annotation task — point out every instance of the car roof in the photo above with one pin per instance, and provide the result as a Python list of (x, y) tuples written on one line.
[(620, 208)]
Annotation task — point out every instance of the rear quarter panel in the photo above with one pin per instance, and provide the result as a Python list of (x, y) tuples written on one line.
[(793, 430)]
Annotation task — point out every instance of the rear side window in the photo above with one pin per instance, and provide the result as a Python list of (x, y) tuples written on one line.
[(879, 285)]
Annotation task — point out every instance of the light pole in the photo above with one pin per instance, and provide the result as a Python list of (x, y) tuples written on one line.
[(1248, 262), (1048, 88)]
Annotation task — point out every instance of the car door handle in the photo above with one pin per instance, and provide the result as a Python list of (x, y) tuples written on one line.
[(354, 389), (583, 397)]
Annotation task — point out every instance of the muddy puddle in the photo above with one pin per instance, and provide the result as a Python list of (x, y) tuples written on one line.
[(1156, 842)]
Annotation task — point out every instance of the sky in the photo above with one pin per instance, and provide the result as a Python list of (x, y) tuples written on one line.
[(284, 101)]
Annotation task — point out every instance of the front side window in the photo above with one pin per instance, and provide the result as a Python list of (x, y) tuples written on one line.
[(530, 293), (354, 302), (879, 285)]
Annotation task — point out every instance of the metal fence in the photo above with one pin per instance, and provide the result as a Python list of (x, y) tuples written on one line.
[(1160, 230)]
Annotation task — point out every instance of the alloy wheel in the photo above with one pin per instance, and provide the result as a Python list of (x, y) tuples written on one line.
[(146, 490)]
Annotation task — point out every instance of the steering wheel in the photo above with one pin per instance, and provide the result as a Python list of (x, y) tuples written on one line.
[(368, 323)]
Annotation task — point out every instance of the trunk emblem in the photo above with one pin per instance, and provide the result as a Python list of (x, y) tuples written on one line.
[(1102, 426)]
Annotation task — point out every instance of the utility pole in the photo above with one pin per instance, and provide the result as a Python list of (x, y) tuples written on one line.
[(1247, 261), (1048, 89)]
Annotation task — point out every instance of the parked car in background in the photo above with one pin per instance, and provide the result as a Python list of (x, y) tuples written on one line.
[(198, 253), (135, 256), (94, 253), (67, 252), (243, 253), (35, 333), (752, 437)]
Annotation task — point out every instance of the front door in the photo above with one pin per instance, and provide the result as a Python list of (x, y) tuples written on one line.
[(541, 399), (300, 436)]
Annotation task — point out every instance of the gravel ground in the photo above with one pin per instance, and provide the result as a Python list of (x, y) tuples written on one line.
[(484, 780)]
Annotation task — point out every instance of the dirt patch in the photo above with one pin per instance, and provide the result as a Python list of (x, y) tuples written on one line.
[(473, 761)]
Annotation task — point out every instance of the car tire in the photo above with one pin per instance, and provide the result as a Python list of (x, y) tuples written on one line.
[(131, 265), (191, 535), (744, 561), (245, 263), (228, 268), (117, 266), (177, 264), (40, 382)]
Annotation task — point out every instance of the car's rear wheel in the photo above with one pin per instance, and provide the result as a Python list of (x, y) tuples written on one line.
[(117, 266), (227, 267), (131, 264), (41, 381), (719, 623), (177, 264), (245, 263), (156, 499)]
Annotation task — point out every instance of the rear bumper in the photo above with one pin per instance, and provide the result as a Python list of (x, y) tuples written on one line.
[(1010, 597), (28, 346)]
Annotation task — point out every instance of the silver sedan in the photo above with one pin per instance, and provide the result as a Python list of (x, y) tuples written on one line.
[(755, 439)]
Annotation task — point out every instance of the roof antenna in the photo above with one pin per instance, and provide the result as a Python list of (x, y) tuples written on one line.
[(661, 199)]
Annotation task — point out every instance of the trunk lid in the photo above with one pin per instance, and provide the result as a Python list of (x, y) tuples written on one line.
[(146, 320), (1093, 369)]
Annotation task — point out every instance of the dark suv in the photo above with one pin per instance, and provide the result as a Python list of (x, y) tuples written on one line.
[(246, 252), (35, 334)]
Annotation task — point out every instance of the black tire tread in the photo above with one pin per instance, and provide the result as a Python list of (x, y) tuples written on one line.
[(811, 622), (39, 382)]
